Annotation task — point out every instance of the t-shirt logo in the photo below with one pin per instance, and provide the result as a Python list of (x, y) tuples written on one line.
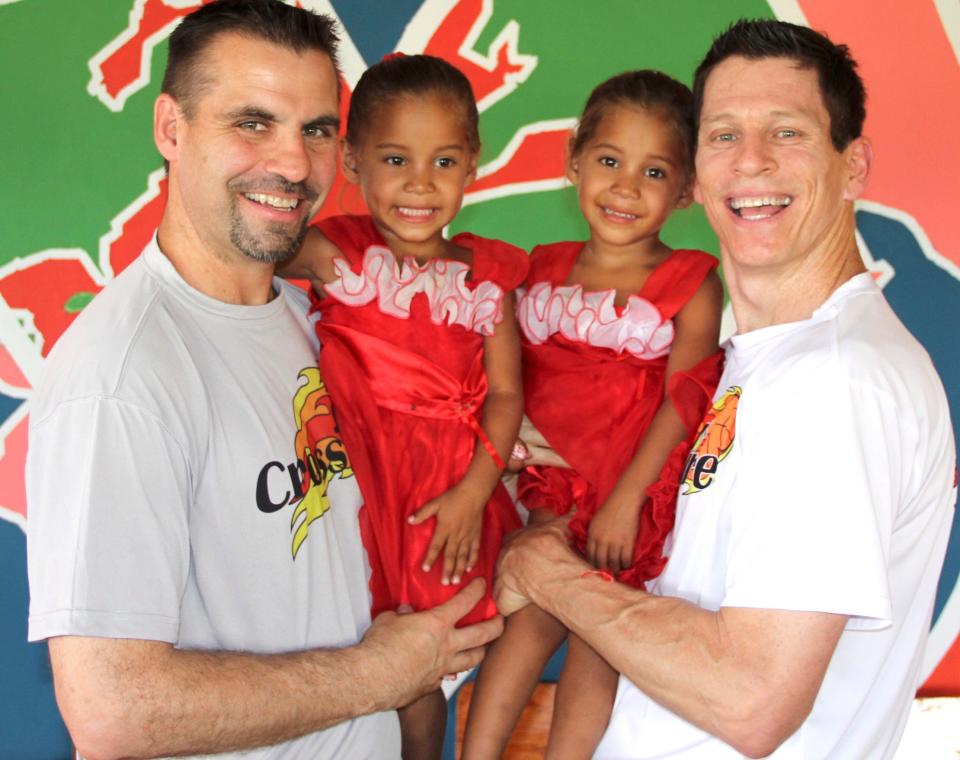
[(714, 441), (321, 457)]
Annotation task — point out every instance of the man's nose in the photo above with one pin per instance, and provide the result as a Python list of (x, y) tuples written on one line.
[(753, 155), (289, 158)]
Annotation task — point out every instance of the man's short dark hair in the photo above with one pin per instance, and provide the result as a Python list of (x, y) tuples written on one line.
[(269, 20), (840, 86)]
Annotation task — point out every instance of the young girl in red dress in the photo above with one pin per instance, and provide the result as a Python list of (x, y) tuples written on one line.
[(419, 349), (609, 326)]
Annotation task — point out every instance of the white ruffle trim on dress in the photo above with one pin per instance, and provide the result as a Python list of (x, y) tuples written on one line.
[(443, 281), (592, 318)]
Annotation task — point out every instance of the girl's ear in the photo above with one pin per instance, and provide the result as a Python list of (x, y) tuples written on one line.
[(573, 163), (349, 160), (471, 170), (686, 195)]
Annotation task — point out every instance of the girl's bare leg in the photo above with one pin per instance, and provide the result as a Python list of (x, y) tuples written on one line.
[(422, 726), (583, 703), (506, 680)]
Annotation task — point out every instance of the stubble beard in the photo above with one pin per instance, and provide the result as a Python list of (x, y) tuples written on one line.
[(275, 245), (278, 242)]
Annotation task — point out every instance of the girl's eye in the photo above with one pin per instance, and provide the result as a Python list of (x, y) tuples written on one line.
[(655, 172), (395, 160), (446, 163), (608, 161)]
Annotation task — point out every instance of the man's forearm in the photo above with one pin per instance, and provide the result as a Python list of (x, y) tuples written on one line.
[(143, 699), (131, 698), (746, 676)]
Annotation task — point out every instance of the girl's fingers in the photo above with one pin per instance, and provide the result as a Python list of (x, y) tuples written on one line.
[(433, 551), (425, 512), (474, 555)]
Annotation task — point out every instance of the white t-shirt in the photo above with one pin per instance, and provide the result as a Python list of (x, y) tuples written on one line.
[(823, 482), (167, 463)]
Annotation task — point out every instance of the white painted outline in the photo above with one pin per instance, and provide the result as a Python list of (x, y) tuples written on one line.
[(424, 25), (788, 10), (352, 64), (949, 12), (96, 86)]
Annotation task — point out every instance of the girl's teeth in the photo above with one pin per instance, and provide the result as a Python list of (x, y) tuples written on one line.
[(619, 214)]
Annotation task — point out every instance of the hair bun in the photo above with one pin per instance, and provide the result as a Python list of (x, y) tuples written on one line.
[(392, 56)]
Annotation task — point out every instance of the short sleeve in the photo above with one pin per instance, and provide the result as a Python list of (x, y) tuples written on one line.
[(495, 261), (816, 500), (108, 544)]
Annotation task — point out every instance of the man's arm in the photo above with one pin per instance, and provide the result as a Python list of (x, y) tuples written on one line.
[(133, 698), (747, 676)]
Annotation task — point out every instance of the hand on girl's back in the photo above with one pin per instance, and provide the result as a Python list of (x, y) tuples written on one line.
[(456, 535)]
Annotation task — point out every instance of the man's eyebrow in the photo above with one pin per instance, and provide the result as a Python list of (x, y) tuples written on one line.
[(327, 120), (251, 112), (781, 113)]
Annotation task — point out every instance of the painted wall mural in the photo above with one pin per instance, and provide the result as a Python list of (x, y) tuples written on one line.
[(84, 189)]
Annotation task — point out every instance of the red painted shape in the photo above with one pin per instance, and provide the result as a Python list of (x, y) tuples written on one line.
[(137, 231), (123, 66), (449, 36), (10, 372), (540, 156), (912, 80), (13, 492), (945, 678), (44, 288)]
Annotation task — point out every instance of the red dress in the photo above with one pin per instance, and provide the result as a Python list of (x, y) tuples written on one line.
[(593, 378), (402, 356)]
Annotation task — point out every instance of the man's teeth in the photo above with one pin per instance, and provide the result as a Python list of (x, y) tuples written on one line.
[(618, 214), (414, 211), (769, 200), (273, 200)]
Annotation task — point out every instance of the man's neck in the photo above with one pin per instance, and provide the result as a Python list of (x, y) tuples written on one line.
[(231, 278), (763, 297)]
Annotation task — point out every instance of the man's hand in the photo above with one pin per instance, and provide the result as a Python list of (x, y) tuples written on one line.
[(539, 449), (414, 651), (530, 557)]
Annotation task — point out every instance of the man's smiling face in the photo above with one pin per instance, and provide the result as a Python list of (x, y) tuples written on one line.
[(258, 152), (772, 183)]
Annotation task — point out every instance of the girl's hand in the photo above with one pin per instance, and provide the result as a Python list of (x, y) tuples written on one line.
[(459, 515), (613, 533)]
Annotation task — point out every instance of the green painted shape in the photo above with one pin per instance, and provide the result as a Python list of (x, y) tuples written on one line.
[(76, 164), (77, 302)]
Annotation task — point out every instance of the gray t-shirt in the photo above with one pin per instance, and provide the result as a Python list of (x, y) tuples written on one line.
[(172, 492)]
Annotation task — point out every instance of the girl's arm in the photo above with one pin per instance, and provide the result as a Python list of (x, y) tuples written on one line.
[(459, 511), (313, 262), (613, 530)]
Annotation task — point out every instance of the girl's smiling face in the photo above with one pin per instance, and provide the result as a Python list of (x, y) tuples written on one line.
[(630, 175), (412, 165)]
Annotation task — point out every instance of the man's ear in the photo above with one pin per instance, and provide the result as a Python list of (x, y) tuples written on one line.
[(858, 157), (349, 162), (697, 193), (166, 119)]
